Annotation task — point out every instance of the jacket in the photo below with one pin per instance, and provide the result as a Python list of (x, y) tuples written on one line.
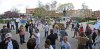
[(14, 43)]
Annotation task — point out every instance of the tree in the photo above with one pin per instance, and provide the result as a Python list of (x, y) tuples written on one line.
[(85, 12), (39, 12), (53, 5), (47, 7), (11, 14), (15, 10), (68, 7)]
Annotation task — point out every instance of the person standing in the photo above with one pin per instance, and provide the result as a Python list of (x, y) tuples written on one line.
[(72, 27), (82, 39), (26, 26), (30, 29), (94, 35), (81, 29), (67, 24), (8, 25), (78, 25), (52, 37), (46, 30), (48, 44), (76, 31), (9, 43), (97, 41), (31, 44), (12, 25), (65, 44), (22, 34), (88, 33), (62, 34), (37, 36), (17, 24), (4, 31)]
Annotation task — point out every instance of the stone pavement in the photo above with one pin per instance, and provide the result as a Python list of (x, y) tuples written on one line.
[(72, 41)]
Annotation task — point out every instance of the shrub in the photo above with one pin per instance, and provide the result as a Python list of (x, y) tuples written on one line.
[(80, 19)]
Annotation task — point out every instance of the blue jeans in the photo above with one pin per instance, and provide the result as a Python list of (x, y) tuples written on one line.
[(46, 33), (22, 39), (38, 46), (54, 46)]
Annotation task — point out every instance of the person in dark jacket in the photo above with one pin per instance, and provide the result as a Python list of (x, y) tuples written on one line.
[(8, 25), (62, 34), (94, 35), (88, 33), (30, 29), (9, 43), (4, 31), (52, 37), (26, 26)]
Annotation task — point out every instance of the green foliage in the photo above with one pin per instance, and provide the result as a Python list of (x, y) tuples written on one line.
[(68, 6), (91, 22), (39, 12), (80, 19), (92, 18), (5, 21)]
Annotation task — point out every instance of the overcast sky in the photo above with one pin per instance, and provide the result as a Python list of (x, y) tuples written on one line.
[(6, 5)]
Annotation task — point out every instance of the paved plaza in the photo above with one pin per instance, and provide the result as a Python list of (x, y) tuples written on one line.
[(72, 41)]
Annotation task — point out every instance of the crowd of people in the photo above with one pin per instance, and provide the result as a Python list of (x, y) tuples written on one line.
[(87, 39)]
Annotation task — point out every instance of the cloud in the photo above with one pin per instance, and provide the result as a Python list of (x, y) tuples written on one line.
[(6, 5)]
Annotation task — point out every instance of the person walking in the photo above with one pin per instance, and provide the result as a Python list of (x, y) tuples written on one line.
[(31, 44), (9, 43), (82, 39), (65, 44), (4, 31), (22, 34), (52, 37), (37, 36), (46, 30)]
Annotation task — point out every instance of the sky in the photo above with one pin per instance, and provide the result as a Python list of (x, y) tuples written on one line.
[(21, 5)]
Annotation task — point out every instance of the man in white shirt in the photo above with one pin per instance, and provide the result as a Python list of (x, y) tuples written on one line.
[(12, 25), (37, 36), (46, 30), (65, 44)]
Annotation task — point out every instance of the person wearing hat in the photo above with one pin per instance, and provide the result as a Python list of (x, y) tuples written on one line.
[(9, 43), (4, 31)]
